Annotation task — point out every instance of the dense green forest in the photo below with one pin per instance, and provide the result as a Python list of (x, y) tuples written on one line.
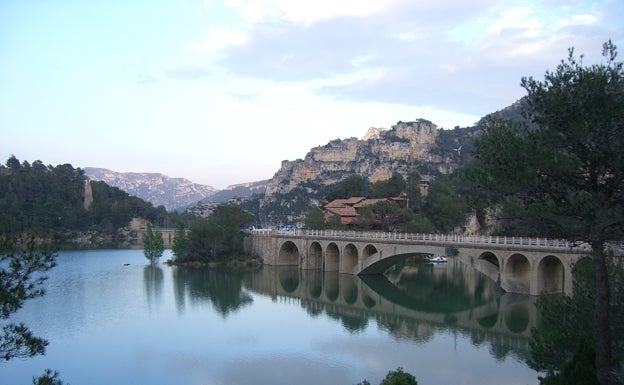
[(51, 200)]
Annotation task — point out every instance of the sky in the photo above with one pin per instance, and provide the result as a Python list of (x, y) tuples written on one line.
[(220, 92)]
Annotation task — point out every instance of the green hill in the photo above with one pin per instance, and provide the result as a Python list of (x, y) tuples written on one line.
[(59, 201)]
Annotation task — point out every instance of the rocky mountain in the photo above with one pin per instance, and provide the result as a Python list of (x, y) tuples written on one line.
[(242, 190), (404, 148), (158, 189)]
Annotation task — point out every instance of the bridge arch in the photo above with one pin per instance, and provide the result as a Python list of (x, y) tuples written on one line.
[(368, 251), (349, 289), (490, 264), (550, 275), (517, 318), (518, 273), (379, 266), (332, 257), (349, 258), (288, 279), (315, 256), (288, 254), (314, 280), (488, 321), (332, 286)]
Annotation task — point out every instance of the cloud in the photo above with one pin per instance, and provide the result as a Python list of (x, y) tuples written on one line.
[(468, 58), (245, 96), (307, 12), (188, 72), (146, 79), (218, 39)]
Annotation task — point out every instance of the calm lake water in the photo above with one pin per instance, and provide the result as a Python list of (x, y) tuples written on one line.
[(111, 318)]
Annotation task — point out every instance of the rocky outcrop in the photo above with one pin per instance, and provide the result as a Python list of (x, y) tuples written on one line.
[(405, 148)]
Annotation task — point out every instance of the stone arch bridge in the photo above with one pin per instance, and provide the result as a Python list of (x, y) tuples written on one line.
[(518, 265)]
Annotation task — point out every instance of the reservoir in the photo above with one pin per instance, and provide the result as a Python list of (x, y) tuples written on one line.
[(111, 318)]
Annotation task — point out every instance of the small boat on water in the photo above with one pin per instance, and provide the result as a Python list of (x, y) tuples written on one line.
[(438, 259)]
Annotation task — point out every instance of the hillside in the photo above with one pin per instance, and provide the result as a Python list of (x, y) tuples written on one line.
[(237, 191), (406, 147), (60, 202), (158, 189)]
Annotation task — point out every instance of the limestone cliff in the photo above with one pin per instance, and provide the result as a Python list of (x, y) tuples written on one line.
[(159, 189), (405, 148)]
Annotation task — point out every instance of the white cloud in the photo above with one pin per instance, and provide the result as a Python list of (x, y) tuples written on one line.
[(307, 12), (220, 38), (576, 20), (520, 19)]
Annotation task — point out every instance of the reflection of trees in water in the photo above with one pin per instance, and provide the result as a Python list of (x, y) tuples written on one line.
[(153, 281), (446, 296), (353, 322), (407, 328), (438, 288), (220, 286)]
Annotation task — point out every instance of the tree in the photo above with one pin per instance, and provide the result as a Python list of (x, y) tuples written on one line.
[(561, 346), (444, 206), (396, 377), (567, 168), (353, 186), (315, 220), (180, 243), (392, 187), (384, 214), (23, 263), (153, 244), (412, 191), (219, 236)]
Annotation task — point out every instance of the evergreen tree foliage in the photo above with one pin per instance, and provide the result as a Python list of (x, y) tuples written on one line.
[(384, 215), (444, 206), (23, 264), (354, 186), (153, 244), (567, 169), (180, 243), (562, 344), (392, 187), (219, 236), (315, 220), (396, 377), (412, 192), (51, 199)]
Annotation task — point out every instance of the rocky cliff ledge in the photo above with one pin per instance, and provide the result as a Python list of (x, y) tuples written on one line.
[(405, 148)]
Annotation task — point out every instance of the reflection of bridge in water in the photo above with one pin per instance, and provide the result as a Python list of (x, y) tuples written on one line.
[(483, 314), (518, 265)]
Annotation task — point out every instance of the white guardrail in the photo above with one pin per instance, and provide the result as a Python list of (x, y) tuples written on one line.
[(417, 237)]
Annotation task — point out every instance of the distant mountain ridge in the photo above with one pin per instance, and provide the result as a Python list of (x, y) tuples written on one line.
[(158, 189), (406, 147), (241, 190)]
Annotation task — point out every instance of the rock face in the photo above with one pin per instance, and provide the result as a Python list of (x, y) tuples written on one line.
[(158, 189), (406, 147)]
